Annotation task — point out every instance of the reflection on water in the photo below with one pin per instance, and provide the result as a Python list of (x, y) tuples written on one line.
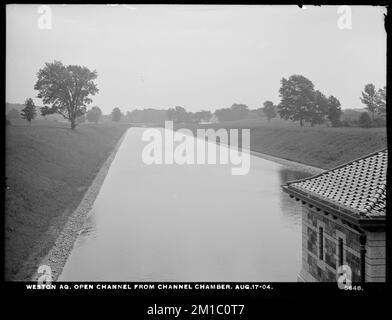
[(188, 223), (289, 175), (292, 210)]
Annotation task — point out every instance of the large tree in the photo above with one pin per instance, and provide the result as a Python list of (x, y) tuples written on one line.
[(94, 114), (297, 99), (381, 100), (269, 109), (369, 98), (319, 109), (66, 89), (29, 111), (334, 111)]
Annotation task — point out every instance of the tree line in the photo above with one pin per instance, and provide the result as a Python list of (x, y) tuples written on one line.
[(301, 102), (67, 90), (375, 102)]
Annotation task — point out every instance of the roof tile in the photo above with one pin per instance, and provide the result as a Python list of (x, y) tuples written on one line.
[(359, 186)]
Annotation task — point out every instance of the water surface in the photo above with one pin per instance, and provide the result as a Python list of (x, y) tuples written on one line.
[(188, 223)]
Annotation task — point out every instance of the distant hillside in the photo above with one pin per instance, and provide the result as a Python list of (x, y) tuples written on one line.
[(10, 106)]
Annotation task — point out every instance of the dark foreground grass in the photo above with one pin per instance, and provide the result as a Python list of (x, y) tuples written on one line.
[(317, 146), (48, 169)]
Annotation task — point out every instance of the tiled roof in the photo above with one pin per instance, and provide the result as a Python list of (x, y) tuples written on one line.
[(358, 187)]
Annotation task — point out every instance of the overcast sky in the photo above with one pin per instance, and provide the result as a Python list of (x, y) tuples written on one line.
[(198, 57)]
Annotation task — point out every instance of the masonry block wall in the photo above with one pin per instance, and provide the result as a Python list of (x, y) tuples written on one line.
[(375, 256), (340, 243)]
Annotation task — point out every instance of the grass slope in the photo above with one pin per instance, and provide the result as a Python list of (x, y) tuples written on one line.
[(317, 146), (48, 169)]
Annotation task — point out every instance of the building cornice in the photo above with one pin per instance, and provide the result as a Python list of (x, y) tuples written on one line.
[(351, 216)]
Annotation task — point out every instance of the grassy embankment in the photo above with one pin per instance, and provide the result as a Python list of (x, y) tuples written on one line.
[(48, 169), (317, 146)]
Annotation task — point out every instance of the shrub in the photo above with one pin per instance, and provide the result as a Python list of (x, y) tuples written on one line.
[(379, 122), (336, 123), (364, 120), (345, 123)]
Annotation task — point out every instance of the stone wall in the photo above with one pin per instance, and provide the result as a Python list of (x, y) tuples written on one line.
[(375, 257), (325, 269)]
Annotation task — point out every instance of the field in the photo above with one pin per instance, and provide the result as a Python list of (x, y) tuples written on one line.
[(48, 169), (318, 146)]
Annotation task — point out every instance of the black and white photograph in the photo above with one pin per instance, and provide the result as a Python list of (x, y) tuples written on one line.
[(195, 147)]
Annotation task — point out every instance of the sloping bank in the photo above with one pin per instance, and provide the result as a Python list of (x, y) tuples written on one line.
[(53, 175), (319, 147)]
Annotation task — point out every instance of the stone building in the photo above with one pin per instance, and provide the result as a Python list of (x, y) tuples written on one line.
[(343, 220)]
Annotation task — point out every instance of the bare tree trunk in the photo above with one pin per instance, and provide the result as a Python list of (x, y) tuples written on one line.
[(300, 122), (73, 124)]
